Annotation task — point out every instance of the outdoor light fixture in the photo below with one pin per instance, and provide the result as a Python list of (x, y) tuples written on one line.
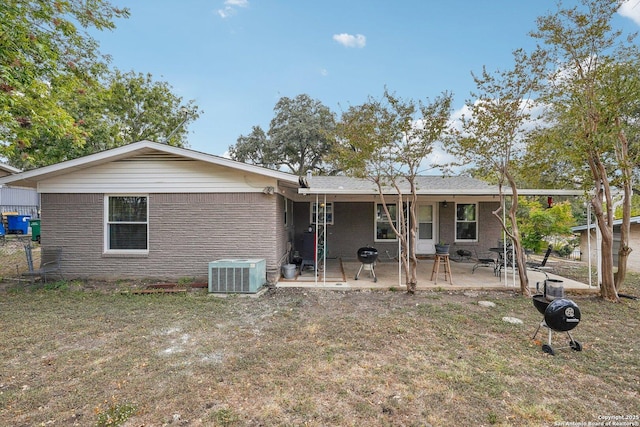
[(445, 204)]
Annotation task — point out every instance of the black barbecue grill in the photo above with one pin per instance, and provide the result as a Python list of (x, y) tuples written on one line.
[(367, 256), (560, 314)]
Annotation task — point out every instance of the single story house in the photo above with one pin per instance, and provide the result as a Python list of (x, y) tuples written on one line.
[(591, 239), (150, 210)]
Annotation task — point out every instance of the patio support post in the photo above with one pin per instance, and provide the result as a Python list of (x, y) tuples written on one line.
[(599, 253), (589, 241), (513, 267), (504, 240), (408, 236), (315, 246), (399, 247), (324, 242)]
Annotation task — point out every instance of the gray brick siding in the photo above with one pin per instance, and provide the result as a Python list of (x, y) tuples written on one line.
[(354, 224), (186, 232), (489, 228)]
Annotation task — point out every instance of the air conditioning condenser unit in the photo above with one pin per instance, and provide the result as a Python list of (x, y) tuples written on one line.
[(237, 275)]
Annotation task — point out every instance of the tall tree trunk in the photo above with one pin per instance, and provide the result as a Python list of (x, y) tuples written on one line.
[(625, 230), (604, 220), (520, 257), (626, 167), (405, 235), (412, 277), (607, 287)]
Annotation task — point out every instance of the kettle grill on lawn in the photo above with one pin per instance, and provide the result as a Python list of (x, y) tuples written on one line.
[(560, 314), (367, 256)]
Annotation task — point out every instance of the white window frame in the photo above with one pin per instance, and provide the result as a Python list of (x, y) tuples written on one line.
[(376, 222), (107, 249), (328, 212), (476, 204)]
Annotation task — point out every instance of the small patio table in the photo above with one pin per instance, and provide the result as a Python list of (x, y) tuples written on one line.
[(501, 260)]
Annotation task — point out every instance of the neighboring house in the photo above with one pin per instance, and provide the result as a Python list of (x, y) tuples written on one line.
[(7, 170), (633, 262), (24, 201), (150, 210)]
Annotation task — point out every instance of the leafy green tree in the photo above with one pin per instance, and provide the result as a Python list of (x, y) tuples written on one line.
[(45, 50), (591, 88), (255, 148), (541, 225), (492, 136), (136, 108), (387, 141), (300, 137), (116, 110)]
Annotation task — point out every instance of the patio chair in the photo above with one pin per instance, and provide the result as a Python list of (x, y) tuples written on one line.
[(541, 265), (502, 262), (486, 260), (461, 255), (50, 259)]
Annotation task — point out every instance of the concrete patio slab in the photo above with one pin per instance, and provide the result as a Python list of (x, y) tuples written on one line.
[(341, 274)]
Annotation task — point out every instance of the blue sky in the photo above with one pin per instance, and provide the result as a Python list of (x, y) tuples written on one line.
[(237, 58)]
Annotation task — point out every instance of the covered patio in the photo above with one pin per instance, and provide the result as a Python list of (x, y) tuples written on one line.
[(340, 274), (345, 213)]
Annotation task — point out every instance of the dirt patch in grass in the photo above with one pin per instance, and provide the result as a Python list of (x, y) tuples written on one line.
[(83, 355)]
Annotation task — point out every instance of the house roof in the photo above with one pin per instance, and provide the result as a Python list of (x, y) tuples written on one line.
[(426, 184), (30, 178), (8, 169), (632, 220)]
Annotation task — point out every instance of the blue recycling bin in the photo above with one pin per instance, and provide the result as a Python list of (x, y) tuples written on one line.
[(18, 224)]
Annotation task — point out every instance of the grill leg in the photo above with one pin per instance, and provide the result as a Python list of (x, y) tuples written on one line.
[(537, 330), (372, 272)]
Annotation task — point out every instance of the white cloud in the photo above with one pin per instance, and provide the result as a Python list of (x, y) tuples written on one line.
[(349, 40), (324, 72), (631, 9), (230, 7), (226, 12)]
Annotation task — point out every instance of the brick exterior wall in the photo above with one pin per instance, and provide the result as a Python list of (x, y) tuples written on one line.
[(354, 227), (186, 232)]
